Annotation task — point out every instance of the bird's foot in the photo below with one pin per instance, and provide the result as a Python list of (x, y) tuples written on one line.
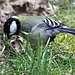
[(61, 51)]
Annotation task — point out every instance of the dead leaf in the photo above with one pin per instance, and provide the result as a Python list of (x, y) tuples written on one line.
[(21, 8), (15, 43), (6, 11)]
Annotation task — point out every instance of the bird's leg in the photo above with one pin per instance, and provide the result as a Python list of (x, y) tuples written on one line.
[(58, 46)]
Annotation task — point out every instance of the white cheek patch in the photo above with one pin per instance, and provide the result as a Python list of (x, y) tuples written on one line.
[(13, 28)]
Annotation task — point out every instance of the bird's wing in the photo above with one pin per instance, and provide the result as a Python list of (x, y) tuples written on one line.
[(53, 24)]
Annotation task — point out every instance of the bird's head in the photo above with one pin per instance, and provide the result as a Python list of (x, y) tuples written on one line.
[(12, 27)]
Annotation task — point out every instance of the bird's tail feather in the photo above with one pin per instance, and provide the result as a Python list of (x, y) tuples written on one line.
[(67, 30)]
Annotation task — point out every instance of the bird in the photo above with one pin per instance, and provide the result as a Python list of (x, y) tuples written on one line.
[(33, 26)]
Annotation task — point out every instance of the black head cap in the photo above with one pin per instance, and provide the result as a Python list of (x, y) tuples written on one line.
[(12, 27)]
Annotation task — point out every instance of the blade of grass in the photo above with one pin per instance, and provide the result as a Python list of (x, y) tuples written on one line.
[(51, 5), (57, 67), (8, 46), (39, 47), (45, 48), (26, 52), (27, 41)]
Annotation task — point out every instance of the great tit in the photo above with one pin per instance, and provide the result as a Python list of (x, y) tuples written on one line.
[(34, 25)]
